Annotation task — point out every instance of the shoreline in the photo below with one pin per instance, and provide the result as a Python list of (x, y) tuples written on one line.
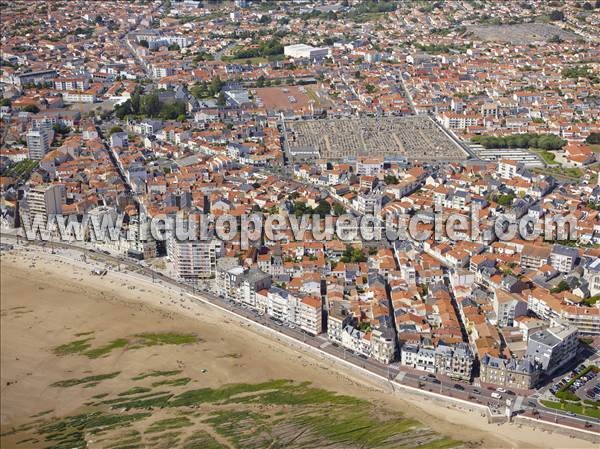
[(165, 300)]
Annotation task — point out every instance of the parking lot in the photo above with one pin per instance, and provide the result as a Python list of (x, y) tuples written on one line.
[(578, 384)]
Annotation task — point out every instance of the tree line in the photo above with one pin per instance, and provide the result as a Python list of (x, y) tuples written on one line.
[(528, 140)]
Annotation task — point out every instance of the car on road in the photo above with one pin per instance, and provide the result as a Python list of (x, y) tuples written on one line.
[(496, 395), (571, 414), (459, 387), (476, 391), (500, 390)]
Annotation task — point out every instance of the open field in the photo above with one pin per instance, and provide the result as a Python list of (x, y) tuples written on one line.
[(109, 362)]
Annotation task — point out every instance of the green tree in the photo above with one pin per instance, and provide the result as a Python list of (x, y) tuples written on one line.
[(31, 108), (390, 179), (135, 102), (115, 129), (338, 209), (150, 105), (324, 208), (593, 139), (561, 287), (144, 43), (61, 129), (172, 110), (216, 85), (123, 109), (221, 101)]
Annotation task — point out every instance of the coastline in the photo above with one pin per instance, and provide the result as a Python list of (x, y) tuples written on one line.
[(154, 306)]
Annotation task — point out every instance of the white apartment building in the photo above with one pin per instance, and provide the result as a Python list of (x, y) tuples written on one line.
[(281, 305), (550, 308), (563, 258), (553, 347), (194, 259), (507, 307), (305, 312), (454, 121), (310, 315), (119, 139), (79, 97), (45, 200), (38, 143), (80, 83), (369, 166), (356, 341), (507, 169), (368, 203)]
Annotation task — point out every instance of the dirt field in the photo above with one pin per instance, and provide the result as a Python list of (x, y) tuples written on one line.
[(71, 340)]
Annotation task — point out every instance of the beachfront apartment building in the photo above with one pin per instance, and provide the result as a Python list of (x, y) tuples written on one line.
[(454, 361), (383, 344), (45, 200), (310, 315), (553, 347), (193, 259), (379, 342), (305, 312), (519, 374), (281, 305), (253, 280)]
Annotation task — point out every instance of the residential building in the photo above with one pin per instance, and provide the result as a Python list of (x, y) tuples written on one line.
[(193, 259), (38, 143), (520, 374), (310, 315), (45, 200), (553, 347), (563, 258)]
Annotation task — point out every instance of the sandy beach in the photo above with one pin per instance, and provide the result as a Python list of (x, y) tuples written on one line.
[(48, 300)]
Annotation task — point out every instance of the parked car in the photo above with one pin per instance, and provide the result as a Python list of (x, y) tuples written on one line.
[(500, 390), (496, 395)]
